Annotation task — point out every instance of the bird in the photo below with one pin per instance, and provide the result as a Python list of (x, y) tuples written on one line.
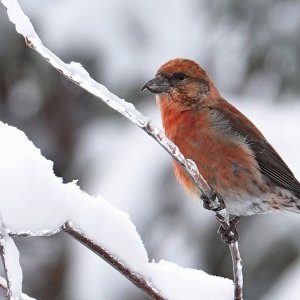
[(230, 152)]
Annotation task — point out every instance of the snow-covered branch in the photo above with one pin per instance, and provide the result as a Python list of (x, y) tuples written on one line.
[(10, 259), (51, 206), (75, 72), (3, 285), (69, 227)]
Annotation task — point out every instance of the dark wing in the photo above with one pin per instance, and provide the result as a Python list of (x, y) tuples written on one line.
[(271, 164)]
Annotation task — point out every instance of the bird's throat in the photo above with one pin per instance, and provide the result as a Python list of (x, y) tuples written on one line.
[(170, 111)]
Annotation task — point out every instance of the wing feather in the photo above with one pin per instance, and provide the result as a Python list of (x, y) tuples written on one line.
[(271, 164)]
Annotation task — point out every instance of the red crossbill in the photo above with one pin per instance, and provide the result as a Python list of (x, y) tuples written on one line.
[(230, 152)]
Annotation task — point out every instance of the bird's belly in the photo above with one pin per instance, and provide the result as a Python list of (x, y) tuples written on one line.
[(245, 204)]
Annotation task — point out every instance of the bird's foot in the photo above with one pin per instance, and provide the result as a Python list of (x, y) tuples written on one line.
[(229, 233), (214, 202)]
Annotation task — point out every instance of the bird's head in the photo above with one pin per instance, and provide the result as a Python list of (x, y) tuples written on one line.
[(183, 81)]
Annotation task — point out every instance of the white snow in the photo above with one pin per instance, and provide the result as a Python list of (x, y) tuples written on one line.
[(17, 16), (182, 283), (33, 199), (77, 69)]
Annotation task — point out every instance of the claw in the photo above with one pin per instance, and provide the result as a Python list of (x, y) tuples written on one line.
[(230, 234), (210, 203)]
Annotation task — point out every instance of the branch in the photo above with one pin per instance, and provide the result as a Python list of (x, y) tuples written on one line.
[(237, 271), (137, 279), (27, 233), (12, 269), (69, 227), (76, 73), (3, 285), (237, 264)]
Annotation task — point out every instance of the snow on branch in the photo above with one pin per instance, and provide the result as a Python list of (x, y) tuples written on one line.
[(3, 285), (51, 206), (10, 259), (76, 73)]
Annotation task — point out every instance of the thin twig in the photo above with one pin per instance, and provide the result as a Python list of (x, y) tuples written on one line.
[(70, 228), (137, 279), (28, 233), (237, 264), (237, 271)]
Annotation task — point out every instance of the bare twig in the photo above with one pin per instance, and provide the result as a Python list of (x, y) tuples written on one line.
[(237, 270), (237, 264), (43, 233), (69, 227), (137, 279), (76, 73)]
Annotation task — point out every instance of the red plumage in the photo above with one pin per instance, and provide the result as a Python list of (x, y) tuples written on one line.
[(230, 152)]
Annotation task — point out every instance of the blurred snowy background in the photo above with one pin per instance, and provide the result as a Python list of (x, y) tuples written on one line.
[(251, 50)]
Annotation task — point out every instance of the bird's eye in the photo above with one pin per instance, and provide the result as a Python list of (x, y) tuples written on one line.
[(178, 76)]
